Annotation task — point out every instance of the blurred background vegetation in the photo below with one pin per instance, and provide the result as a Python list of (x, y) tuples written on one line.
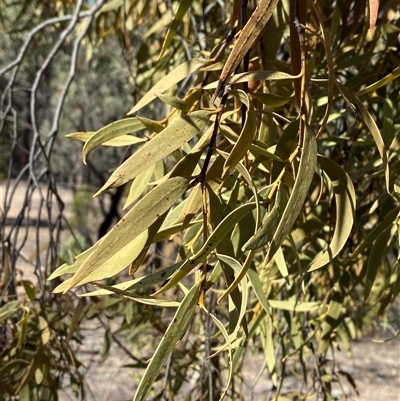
[(75, 66)]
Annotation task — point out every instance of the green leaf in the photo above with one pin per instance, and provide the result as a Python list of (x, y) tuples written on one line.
[(268, 228), (139, 283), (138, 186), (261, 75), (174, 333), (345, 199), (163, 144), (171, 79), (122, 140), (137, 220), (110, 266), (246, 137), (333, 316), (8, 309), (151, 125), (247, 38), (143, 299), (302, 183), (294, 306), (174, 101), (180, 13), (214, 239), (244, 293), (272, 100), (111, 131), (387, 222), (374, 261), (382, 82), (353, 100), (228, 344)]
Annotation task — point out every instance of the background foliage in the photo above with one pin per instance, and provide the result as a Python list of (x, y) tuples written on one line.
[(264, 218)]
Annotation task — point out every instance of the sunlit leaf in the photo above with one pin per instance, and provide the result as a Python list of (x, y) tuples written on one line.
[(136, 221), (163, 144), (248, 36), (123, 140), (246, 137), (374, 262), (345, 199), (260, 75), (179, 14), (169, 80), (139, 185), (175, 331), (219, 234), (111, 131), (302, 184)]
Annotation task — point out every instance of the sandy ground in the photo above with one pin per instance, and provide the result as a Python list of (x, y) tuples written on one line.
[(375, 365)]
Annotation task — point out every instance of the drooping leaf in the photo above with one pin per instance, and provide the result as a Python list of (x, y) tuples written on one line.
[(175, 331), (246, 137), (302, 183), (215, 238), (268, 228), (261, 75), (110, 267), (123, 140), (353, 100), (180, 13), (147, 300), (163, 144), (345, 199), (272, 100), (139, 185), (247, 38), (169, 80), (173, 101), (139, 283), (111, 131), (382, 82), (374, 262), (137, 220)]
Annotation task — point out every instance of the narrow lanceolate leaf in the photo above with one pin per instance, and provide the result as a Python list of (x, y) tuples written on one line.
[(261, 75), (174, 101), (246, 137), (174, 333), (137, 220), (139, 185), (246, 40), (180, 13), (123, 140), (333, 316), (111, 131), (353, 100), (143, 299), (171, 79), (377, 230), (111, 266), (345, 199), (214, 239), (139, 283), (272, 100), (308, 161), (268, 228), (163, 144), (382, 82), (374, 262)]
